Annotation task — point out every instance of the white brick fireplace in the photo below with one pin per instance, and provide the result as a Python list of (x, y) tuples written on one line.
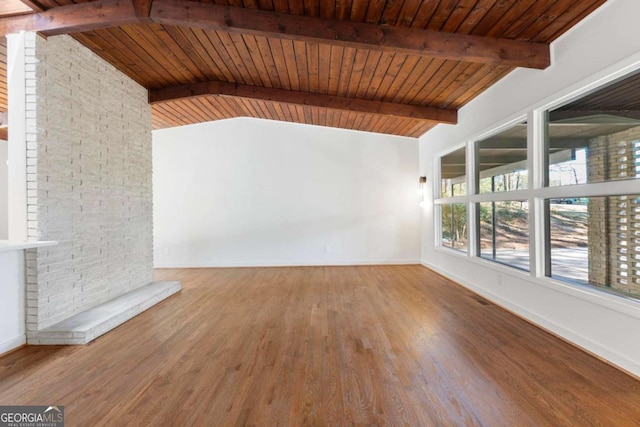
[(89, 187)]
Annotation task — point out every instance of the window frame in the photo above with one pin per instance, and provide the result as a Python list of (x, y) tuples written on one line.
[(439, 200), (441, 230), (538, 194), (494, 259)]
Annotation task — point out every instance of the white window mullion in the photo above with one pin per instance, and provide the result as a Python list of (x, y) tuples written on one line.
[(436, 186), (536, 152), (472, 226)]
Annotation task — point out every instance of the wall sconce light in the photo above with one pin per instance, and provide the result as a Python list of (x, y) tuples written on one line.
[(422, 183)]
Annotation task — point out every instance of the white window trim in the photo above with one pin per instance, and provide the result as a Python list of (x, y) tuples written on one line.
[(537, 193)]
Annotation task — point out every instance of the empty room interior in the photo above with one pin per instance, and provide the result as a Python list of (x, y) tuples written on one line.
[(320, 213)]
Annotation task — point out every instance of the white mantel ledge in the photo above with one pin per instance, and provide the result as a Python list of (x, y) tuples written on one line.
[(9, 245)]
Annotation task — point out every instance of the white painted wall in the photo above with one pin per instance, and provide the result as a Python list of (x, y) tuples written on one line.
[(12, 310), (606, 43), (17, 169), (4, 188), (248, 192)]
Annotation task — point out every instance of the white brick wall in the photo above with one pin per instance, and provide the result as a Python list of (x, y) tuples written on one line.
[(88, 180)]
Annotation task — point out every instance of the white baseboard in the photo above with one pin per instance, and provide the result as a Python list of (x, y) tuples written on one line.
[(590, 346), (322, 263), (12, 343)]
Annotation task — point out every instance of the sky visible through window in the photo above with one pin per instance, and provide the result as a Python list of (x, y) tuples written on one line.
[(570, 172)]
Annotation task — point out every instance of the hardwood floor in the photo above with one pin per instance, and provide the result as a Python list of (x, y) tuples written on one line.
[(322, 346)]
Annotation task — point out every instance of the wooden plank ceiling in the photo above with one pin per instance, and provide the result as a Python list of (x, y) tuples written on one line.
[(14, 7), (315, 72)]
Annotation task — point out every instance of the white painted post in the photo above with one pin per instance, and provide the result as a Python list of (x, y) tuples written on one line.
[(17, 153)]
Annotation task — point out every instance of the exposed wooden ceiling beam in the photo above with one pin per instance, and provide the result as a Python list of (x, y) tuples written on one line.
[(74, 18), (111, 13), (452, 46), (143, 8), (218, 88)]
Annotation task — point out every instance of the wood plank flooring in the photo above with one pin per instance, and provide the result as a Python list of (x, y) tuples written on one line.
[(322, 346)]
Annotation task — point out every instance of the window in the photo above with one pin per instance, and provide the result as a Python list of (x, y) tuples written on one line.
[(454, 226), (502, 161), (569, 239), (503, 226), (597, 137), (504, 232), (453, 173), (453, 216), (596, 241), (588, 234)]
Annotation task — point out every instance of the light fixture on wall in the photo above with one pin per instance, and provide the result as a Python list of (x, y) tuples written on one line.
[(422, 184)]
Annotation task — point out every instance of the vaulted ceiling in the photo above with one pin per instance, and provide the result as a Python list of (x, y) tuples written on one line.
[(390, 66)]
